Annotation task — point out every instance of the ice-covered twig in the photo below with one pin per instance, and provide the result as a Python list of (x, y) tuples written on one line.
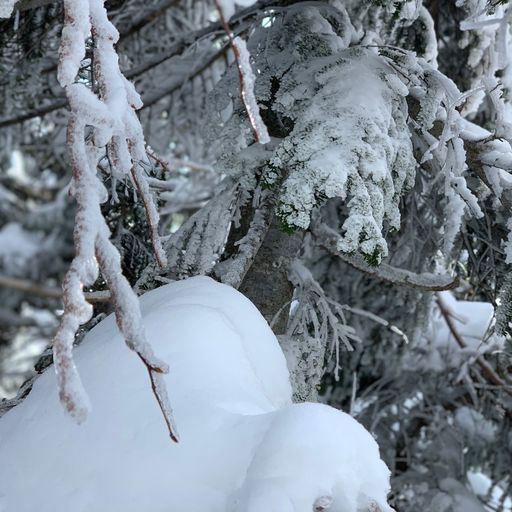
[(114, 124), (329, 239), (247, 79), (152, 216)]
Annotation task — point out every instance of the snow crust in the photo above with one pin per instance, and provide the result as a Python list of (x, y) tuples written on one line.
[(228, 6), (243, 445)]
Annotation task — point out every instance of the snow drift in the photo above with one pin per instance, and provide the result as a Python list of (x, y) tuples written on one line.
[(244, 447)]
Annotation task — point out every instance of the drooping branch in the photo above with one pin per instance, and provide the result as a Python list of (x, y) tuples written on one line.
[(329, 239), (115, 123), (247, 80)]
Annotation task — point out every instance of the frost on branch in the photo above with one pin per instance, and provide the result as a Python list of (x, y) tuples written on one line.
[(115, 124), (349, 140), (247, 80), (317, 330), (338, 116), (245, 74)]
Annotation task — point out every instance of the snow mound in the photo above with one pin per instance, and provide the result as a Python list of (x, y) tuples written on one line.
[(244, 447)]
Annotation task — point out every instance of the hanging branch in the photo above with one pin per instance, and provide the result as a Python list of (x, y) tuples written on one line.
[(115, 124), (247, 79)]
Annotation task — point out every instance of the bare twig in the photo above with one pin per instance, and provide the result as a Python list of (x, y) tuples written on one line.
[(32, 288)]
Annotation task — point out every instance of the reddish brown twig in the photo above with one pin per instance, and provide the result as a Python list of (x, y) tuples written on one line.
[(254, 117)]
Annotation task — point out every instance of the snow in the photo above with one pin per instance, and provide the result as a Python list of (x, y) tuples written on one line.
[(228, 6), (18, 246), (472, 320), (481, 484), (6, 8), (348, 141), (243, 446)]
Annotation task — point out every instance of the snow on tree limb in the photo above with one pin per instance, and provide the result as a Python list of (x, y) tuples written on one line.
[(329, 239), (247, 78), (114, 124)]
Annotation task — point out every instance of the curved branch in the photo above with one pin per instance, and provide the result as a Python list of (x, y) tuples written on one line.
[(329, 239)]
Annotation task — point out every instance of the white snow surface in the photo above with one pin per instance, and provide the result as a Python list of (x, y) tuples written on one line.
[(6, 8), (244, 447), (228, 6)]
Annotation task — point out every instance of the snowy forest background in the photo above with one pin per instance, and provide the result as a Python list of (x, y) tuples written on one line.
[(366, 213)]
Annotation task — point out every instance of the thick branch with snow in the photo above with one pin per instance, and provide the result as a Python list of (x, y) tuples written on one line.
[(329, 239)]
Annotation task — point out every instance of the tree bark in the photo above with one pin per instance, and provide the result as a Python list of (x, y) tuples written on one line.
[(266, 283)]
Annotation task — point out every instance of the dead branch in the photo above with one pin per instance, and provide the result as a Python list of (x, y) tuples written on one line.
[(246, 88)]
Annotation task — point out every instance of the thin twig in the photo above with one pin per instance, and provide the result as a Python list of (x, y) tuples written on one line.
[(48, 292), (245, 90)]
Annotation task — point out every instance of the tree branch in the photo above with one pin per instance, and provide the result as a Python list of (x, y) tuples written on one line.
[(329, 239), (46, 291)]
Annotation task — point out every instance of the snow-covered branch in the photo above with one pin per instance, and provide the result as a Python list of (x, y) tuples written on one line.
[(487, 371), (246, 76), (329, 239), (115, 124)]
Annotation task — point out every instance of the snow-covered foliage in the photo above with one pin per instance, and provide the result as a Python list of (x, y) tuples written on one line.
[(338, 140), (244, 446)]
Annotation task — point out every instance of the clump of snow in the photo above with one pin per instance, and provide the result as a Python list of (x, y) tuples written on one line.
[(243, 447), (349, 140), (228, 6), (6, 8), (18, 246), (482, 485)]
